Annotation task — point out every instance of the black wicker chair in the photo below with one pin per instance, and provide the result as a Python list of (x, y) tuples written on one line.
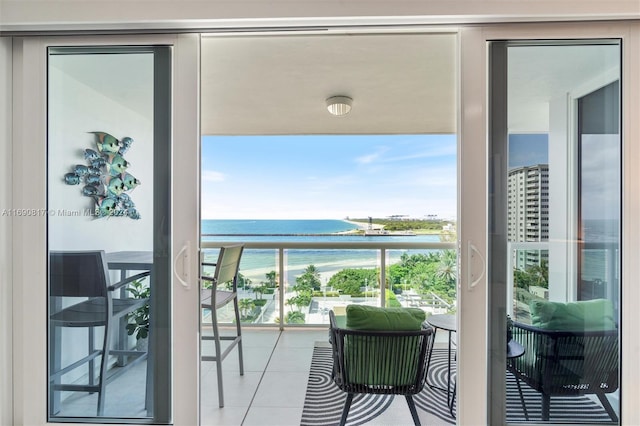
[(379, 362), (567, 363)]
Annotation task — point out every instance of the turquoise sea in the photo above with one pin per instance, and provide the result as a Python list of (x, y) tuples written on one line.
[(257, 262), (601, 257), (275, 227), (601, 254)]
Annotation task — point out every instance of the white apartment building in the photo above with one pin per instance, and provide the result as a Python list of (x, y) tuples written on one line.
[(528, 211)]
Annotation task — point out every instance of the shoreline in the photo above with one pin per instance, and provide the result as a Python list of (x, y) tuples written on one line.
[(362, 226)]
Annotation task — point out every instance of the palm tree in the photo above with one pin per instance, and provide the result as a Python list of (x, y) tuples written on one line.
[(310, 279), (312, 270), (540, 273), (448, 266), (246, 306), (272, 279), (260, 289)]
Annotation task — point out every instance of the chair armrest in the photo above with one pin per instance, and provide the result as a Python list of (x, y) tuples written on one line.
[(566, 362), (555, 334), (332, 319), (206, 277), (128, 280)]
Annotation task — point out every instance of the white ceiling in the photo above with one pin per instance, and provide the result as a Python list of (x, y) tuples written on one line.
[(538, 74), (278, 84), (400, 83)]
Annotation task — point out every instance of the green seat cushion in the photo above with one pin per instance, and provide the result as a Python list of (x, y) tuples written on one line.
[(382, 361), (371, 318), (590, 315)]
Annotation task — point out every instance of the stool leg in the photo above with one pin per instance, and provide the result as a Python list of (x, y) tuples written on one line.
[(238, 333), (216, 342)]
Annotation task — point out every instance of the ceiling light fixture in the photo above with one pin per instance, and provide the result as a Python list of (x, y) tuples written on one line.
[(339, 105)]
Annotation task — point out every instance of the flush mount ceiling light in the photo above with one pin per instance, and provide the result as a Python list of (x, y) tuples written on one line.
[(339, 105)]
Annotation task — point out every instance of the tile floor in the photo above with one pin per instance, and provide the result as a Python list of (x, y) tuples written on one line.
[(271, 391), (273, 388)]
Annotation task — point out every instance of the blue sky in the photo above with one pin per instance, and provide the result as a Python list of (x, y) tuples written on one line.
[(528, 149), (328, 176)]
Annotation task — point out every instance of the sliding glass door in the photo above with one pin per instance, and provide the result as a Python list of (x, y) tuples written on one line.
[(555, 272), (103, 241), (108, 145)]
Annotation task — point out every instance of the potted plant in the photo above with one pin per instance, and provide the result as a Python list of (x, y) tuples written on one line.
[(138, 320), (509, 329)]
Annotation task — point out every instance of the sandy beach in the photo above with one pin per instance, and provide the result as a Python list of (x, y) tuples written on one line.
[(361, 227)]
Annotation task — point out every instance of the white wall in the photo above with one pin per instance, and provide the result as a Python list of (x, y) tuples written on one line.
[(75, 109), (5, 234)]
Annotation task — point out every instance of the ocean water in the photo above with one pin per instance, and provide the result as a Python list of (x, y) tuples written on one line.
[(275, 227), (257, 262), (601, 256), (294, 231)]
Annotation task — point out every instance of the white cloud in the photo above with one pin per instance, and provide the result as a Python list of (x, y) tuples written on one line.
[(370, 158), (212, 176)]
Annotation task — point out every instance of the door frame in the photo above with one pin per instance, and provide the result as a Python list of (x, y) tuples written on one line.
[(473, 313), (29, 190), (476, 307)]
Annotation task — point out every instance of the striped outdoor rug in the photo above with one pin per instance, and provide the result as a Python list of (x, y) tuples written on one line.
[(324, 401)]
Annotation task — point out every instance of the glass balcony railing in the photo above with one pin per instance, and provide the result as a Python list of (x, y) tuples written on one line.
[(298, 283), (595, 276)]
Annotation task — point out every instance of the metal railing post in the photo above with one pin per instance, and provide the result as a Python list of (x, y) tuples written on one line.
[(383, 276), (281, 284)]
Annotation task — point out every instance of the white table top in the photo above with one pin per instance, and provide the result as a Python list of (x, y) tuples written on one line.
[(130, 260)]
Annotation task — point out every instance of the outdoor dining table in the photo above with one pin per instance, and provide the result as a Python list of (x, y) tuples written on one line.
[(448, 323), (130, 261), (516, 350), (125, 261)]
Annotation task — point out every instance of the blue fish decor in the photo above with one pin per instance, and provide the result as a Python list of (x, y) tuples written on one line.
[(105, 178)]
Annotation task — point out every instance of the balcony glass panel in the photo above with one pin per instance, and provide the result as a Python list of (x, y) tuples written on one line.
[(317, 279), (562, 180)]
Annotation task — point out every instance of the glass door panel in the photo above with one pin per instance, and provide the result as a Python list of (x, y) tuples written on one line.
[(108, 234), (557, 165), (598, 190)]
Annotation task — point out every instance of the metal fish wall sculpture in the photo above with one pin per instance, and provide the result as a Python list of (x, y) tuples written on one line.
[(105, 178)]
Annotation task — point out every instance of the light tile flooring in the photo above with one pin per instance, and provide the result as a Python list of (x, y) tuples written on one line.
[(271, 391), (273, 387), (274, 384)]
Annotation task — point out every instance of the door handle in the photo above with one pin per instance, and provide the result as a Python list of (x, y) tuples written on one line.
[(472, 251), (184, 255)]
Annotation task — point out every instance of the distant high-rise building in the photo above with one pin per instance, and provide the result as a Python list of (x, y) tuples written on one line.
[(528, 211)]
